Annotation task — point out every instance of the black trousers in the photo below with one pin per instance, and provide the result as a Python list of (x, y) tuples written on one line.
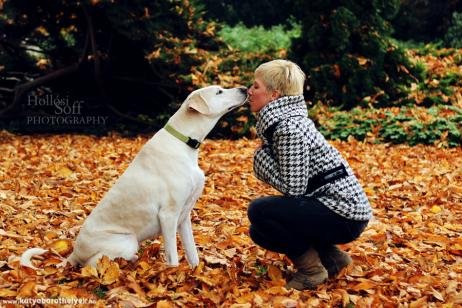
[(291, 225)]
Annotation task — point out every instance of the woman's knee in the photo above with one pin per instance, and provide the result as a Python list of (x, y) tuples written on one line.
[(255, 210)]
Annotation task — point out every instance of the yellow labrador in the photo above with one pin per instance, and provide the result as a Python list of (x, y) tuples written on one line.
[(157, 192)]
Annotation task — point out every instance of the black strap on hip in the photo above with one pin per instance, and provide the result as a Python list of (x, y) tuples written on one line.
[(326, 177), (320, 179)]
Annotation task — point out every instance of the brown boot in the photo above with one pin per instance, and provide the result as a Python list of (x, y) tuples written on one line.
[(334, 259), (310, 271)]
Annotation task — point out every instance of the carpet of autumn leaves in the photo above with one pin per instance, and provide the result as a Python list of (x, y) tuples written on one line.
[(410, 255)]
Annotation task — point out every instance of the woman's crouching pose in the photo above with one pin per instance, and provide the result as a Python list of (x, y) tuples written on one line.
[(323, 204)]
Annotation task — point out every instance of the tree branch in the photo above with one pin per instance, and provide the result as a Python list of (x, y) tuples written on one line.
[(22, 89)]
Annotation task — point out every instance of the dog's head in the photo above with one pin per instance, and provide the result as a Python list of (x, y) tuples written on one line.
[(214, 101)]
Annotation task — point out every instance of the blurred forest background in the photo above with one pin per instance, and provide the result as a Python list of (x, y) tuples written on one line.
[(379, 71)]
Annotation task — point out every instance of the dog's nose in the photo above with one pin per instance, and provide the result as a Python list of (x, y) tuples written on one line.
[(243, 90)]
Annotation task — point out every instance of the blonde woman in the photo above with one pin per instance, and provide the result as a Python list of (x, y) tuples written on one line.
[(323, 203)]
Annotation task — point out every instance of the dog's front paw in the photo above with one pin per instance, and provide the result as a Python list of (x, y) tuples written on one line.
[(193, 260), (173, 264)]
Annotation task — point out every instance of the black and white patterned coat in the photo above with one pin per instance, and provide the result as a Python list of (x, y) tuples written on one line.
[(298, 152)]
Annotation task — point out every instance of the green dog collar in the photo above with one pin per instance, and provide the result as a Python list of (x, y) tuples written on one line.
[(193, 143)]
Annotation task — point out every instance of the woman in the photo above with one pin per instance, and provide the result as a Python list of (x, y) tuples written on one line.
[(323, 203)]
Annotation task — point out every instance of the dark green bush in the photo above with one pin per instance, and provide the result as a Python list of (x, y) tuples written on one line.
[(424, 20), (453, 37), (346, 51)]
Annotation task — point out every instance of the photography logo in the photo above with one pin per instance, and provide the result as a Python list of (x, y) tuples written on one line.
[(61, 112)]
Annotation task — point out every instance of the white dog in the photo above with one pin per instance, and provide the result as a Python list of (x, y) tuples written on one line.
[(157, 192)]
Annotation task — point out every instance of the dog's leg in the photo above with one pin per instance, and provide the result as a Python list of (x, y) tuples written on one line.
[(185, 227), (187, 238), (168, 224)]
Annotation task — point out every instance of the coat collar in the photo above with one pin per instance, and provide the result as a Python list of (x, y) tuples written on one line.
[(280, 109)]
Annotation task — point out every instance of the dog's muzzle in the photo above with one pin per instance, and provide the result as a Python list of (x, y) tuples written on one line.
[(242, 90)]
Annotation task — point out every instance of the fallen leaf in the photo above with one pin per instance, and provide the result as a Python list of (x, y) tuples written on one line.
[(27, 290), (108, 270), (275, 275), (64, 172), (63, 247)]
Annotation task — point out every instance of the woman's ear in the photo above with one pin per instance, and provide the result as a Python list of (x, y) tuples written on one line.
[(275, 94)]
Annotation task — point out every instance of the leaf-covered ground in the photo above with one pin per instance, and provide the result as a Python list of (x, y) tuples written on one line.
[(410, 254)]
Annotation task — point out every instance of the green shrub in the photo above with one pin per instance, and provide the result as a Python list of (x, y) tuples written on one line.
[(394, 133), (347, 52), (453, 37), (259, 39), (412, 125)]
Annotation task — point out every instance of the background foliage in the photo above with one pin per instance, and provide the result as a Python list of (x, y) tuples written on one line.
[(424, 20), (346, 50)]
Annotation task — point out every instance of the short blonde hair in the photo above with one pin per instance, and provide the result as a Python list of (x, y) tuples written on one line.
[(282, 75)]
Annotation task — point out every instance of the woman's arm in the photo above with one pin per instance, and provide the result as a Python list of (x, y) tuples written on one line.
[(285, 168)]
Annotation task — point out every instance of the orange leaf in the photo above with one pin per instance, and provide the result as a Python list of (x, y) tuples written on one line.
[(27, 290), (276, 275), (364, 286)]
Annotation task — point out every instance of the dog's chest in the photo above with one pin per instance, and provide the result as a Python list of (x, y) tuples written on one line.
[(195, 191)]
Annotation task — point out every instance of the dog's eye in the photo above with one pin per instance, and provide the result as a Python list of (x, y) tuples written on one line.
[(219, 92)]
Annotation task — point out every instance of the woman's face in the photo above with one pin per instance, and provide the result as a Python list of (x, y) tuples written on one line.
[(259, 95)]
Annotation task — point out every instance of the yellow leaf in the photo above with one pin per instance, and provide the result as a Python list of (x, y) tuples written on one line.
[(89, 271), (369, 191), (63, 247), (109, 270), (7, 293), (436, 209), (164, 304), (64, 172)]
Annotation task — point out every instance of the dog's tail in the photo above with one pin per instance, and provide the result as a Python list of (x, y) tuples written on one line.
[(28, 254)]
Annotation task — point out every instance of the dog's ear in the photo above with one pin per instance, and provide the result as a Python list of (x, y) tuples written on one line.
[(198, 103)]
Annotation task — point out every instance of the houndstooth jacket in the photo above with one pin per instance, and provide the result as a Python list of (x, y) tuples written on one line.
[(298, 152)]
